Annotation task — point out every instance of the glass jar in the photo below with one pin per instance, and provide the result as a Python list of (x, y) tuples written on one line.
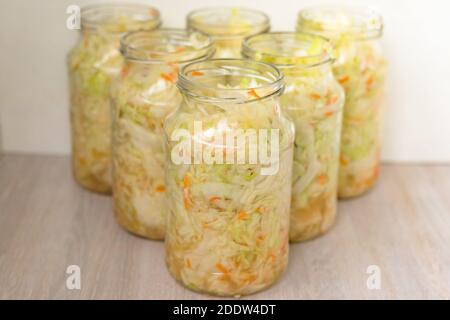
[(228, 218), (313, 100), (360, 68), (143, 96), (93, 64), (228, 27)]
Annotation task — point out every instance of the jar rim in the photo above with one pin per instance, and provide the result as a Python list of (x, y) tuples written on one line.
[(92, 16), (361, 23), (303, 60), (190, 73), (221, 30), (132, 52)]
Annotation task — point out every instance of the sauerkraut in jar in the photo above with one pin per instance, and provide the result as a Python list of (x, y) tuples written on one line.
[(313, 100), (360, 68), (228, 178), (93, 64), (228, 27), (143, 96)]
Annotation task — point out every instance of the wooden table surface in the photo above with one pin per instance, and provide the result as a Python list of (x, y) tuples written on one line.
[(47, 223)]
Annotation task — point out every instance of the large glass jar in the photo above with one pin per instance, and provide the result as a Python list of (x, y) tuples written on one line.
[(228, 218), (93, 64), (360, 68), (313, 99), (228, 27), (143, 96)]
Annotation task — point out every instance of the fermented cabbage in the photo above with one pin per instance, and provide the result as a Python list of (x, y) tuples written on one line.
[(93, 64), (143, 96), (313, 100), (360, 68), (228, 223)]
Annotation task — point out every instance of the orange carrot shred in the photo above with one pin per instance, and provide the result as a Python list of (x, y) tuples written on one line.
[(213, 199), (224, 277), (315, 96), (343, 79), (333, 100), (160, 188), (242, 215), (250, 278), (188, 263), (186, 203), (221, 268), (168, 77), (270, 255), (322, 179), (253, 93), (186, 182), (186, 192), (369, 82), (197, 73), (261, 210)]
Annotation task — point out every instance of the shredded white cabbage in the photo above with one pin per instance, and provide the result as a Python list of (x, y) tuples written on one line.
[(361, 73), (142, 98), (228, 225), (313, 100), (93, 64), (360, 68)]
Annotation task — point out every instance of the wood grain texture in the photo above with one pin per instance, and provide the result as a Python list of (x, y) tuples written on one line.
[(47, 223)]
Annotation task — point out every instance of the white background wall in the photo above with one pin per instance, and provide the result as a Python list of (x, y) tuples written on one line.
[(33, 88)]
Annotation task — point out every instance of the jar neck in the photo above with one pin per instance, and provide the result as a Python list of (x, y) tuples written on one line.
[(341, 23), (225, 24), (292, 53), (230, 81), (114, 20), (173, 46)]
